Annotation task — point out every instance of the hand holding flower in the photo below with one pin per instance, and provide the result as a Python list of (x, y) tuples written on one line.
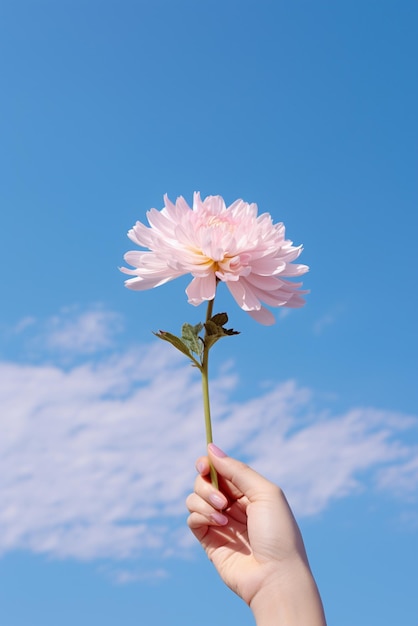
[(249, 533)]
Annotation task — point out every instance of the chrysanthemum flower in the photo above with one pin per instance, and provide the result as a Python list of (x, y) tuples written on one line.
[(214, 243)]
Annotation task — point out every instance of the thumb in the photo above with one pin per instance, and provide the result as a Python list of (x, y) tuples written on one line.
[(249, 482)]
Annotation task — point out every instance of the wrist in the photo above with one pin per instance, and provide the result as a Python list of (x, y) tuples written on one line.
[(289, 600)]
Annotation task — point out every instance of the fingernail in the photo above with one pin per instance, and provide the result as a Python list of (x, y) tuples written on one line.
[(216, 451), (200, 466), (217, 501), (219, 518)]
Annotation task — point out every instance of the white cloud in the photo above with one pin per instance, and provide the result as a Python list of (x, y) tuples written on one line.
[(69, 334), (23, 324), (84, 333), (96, 460), (322, 323), (122, 576), (402, 480), (327, 319)]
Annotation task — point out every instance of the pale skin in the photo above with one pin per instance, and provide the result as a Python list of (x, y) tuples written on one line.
[(250, 534)]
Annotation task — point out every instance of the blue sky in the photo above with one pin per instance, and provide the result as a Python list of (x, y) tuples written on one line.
[(307, 109)]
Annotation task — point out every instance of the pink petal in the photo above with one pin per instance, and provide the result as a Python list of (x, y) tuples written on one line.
[(248, 252), (295, 270), (244, 295), (201, 289), (140, 284), (263, 316), (264, 283), (296, 301)]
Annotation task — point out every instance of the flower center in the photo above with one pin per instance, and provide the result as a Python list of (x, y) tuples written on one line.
[(225, 223)]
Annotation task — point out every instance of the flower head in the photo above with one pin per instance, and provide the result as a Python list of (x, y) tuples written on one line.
[(214, 243)]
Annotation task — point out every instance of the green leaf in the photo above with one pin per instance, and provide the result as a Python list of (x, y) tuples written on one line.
[(178, 344), (190, 337), (215, 329), (175, 341), (220, 319)]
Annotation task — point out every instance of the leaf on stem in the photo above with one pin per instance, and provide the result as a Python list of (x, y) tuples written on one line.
[(215, 329), (177, 343), (190, 337)]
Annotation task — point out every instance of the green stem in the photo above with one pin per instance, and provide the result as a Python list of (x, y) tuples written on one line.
[(205, 389)]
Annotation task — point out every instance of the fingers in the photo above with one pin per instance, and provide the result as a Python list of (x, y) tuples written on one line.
[(225, 486), (205, 490), (241, 476), (205, 503), (202, 465), (239, 485), (202, 514)]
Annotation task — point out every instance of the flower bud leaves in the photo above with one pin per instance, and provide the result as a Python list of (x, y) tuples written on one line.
[(177, 343), (215, 330), (190, 337), (191, 343)]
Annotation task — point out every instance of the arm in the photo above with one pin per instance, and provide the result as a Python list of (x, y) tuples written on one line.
[(249, 533)]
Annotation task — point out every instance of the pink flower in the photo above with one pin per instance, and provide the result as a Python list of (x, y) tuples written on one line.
[(217, 243)]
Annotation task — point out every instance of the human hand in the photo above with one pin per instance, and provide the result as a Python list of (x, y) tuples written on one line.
[(250, 534)]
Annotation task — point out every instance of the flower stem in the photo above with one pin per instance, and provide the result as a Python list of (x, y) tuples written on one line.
[(205, 389)]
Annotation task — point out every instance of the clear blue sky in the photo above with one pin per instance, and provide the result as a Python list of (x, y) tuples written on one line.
[(307, 109)]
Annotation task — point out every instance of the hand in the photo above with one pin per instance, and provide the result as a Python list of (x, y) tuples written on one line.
[(249, 533)]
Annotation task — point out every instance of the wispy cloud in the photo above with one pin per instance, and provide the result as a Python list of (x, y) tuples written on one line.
[(123, 575), (327, 319), (402, 480), (66, 336), (96, 460), (23, 324), (84, 332)]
